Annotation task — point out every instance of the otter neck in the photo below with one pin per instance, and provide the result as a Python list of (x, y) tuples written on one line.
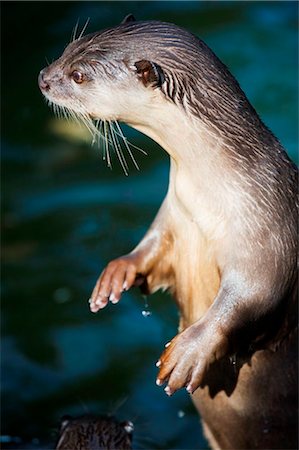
[(197, 198), (197, 156)]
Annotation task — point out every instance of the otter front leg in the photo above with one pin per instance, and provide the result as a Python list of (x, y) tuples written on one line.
[(119, 276), (187, 357), (149, 263), (185, 361)]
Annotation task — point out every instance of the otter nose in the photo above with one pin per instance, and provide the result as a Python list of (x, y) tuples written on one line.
[(43, 84)]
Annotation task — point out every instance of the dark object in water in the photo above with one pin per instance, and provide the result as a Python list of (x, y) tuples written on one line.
[(94, 433)]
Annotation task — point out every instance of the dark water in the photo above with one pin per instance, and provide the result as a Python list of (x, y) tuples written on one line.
[(65, 215)]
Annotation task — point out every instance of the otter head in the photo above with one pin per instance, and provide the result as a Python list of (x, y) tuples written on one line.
[(108, 75), (149, 75)]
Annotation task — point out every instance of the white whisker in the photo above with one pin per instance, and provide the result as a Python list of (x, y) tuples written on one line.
[(101, 139), (137, 148), (105, 134), (84, 28), (128, 142), (73, 37), (97, 135), (106, 129), (118, 149), (120, 133)]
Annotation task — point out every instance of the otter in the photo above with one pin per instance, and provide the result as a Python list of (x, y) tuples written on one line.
[(94, 433), (224, 241)]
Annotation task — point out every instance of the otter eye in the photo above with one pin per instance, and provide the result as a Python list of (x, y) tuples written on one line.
[(77, 76)]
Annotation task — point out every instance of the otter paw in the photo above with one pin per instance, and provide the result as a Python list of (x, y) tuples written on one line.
[(182, 364), (116, 278)]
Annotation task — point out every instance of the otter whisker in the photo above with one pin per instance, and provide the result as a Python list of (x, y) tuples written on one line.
[(54, 109), (100, 127), (65, 113), (96, 135), (137, 148), (87, 122), (100, 133), (120, 133), (84, 28), (71, 116), (104, 138), (106, 131), (58, 111), (118, 150), (75, 29), (84, 119), (104, 134)]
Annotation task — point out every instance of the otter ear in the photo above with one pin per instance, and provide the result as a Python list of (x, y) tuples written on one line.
[(150, 73), (128, 18)]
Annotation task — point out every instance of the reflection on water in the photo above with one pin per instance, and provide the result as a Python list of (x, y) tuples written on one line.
[(65, 215)]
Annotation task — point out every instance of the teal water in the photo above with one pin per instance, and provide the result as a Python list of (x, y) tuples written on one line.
[(65, 215)]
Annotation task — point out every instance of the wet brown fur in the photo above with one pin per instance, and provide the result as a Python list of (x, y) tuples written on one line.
[(94, 433)]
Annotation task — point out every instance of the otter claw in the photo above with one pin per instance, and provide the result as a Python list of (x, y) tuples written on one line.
[(168, 391), (189, 389), (112, 298), (93, 308), (99, 302)]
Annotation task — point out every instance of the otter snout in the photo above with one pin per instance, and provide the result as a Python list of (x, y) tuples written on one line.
[(42, 82)]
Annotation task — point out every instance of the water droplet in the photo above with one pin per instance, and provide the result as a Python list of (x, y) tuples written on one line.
[(233, 360), (146, 312)]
